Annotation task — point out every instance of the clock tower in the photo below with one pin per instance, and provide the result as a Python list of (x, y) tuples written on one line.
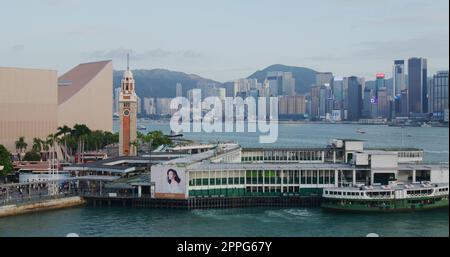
[(128, 114)]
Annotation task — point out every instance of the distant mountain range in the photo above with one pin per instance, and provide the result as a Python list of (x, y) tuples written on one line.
[(162, 83), (159, 82)]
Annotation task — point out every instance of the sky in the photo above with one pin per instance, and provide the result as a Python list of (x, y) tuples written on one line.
[(225, 39)]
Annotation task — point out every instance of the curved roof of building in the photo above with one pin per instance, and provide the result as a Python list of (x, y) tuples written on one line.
[(76, 79)]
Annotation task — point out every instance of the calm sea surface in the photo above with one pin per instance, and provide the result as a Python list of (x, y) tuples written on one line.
[(89, 221)]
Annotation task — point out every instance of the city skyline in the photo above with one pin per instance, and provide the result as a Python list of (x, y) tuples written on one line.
[(180, 39)]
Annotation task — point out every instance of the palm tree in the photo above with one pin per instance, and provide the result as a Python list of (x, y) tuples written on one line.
[(37, 145), (80, 132), (51, 140), (21, 145), (64, 131)]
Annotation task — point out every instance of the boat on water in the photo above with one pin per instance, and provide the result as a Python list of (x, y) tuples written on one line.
[(396, 197), (141, 127), (360, 131), (173, 134)]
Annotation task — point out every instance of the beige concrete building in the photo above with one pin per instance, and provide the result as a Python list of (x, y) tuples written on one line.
[(85, 96), (34, 102), (28, 105)]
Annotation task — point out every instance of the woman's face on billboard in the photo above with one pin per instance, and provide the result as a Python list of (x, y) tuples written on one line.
[(171, 175)]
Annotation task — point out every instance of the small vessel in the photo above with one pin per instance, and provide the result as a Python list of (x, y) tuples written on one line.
[(360, 131), (173, 134), (393, 198), (141, 127), (425, 125)]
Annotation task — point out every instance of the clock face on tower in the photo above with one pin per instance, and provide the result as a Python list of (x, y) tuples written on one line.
[(126, 112)]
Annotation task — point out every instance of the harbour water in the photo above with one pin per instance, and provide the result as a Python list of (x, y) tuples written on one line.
[(90, 221), (434, 140)]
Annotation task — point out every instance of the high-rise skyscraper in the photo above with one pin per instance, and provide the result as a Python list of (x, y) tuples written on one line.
[(354, 99), (383, 105), (149, 106), (404, 105), (274, 81), (380, 82), (245, 85), (288, 84), (324, 78), (128, 115), (345, 94), (315, 102), (116, 99), (338, 93), (369, 103), (417, 85), (323, 102), (163, 106), (139, 105), (179, 90), (439, 95), (280, 83), (398, 77)]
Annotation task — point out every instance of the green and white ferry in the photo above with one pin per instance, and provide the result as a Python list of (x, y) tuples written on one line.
[(395, 197)]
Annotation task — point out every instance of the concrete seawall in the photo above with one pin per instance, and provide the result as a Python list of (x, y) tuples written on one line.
[(206, 203), (51, 204)]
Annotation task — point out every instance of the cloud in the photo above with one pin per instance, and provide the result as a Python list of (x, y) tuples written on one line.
[(324, 58), (191, 54), (120, 53), (428, 46)]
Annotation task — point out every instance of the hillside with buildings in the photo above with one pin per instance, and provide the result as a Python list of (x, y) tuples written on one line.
[(304, 77), (160, 82)]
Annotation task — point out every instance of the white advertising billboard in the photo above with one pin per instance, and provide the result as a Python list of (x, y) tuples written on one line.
[(169, 181)]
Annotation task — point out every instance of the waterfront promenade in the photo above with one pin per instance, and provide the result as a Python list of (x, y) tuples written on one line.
[(23, 198), (20, 198)]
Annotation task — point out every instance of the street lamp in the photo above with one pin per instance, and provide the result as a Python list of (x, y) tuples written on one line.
[(149, 164)]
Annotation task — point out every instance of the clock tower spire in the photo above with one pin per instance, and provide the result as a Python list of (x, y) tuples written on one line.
[(128, 114)]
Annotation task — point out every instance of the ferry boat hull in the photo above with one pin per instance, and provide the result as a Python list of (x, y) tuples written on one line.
[(398, 197), (388, 206)]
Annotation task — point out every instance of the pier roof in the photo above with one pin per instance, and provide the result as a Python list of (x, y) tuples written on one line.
[(394, 149), (268, 166), (284, 149), (196, 158), (123, 164)]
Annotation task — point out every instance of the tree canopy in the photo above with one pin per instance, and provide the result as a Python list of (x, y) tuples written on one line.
[(5, 161), (32, 156)]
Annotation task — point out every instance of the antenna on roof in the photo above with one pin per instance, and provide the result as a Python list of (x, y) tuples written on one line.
[(128, 61)]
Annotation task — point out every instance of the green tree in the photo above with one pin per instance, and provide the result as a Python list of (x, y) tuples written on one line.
[(95, 140), (63, 133), (32, 156), (37, 145), (80, 132), (21, 144), (5, 161), (158, 138)]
